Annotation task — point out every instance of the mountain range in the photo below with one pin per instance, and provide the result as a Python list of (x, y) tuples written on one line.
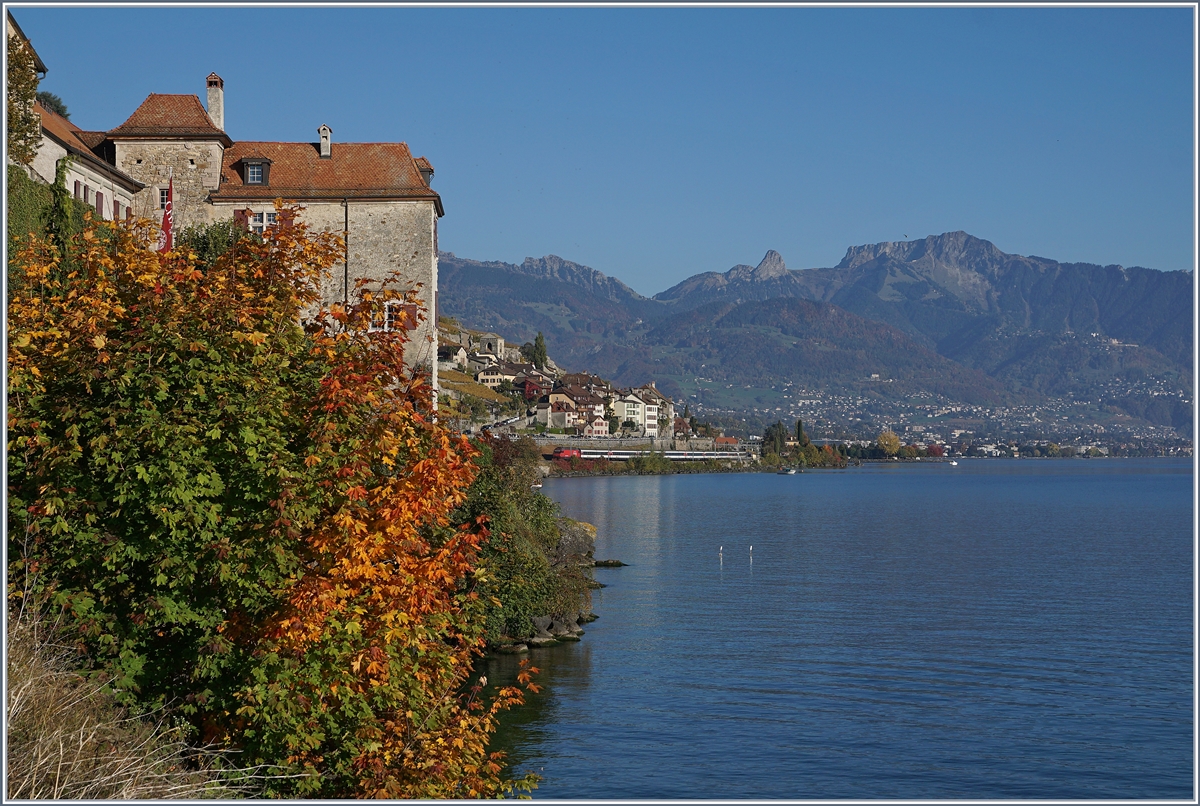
[(949, 316)]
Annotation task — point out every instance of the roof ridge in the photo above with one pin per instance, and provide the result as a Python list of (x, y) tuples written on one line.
[(170, 114)]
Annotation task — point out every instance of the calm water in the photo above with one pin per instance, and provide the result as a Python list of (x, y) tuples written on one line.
[(1000, 629)]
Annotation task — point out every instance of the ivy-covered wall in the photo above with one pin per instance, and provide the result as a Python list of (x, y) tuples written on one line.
[(29, 209)]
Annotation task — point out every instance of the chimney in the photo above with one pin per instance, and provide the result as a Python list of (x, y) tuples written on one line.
[(216, 100), (325, 132)]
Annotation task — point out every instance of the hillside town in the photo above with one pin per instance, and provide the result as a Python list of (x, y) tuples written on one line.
[(488, 383)]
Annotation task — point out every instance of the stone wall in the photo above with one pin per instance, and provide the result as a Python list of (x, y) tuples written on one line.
[(44, 166), (385, 236), (197, 172)]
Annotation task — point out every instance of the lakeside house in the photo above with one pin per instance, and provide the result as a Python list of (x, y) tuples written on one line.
[(377, 194)]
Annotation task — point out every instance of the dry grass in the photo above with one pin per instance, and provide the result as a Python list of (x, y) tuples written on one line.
[(67, 739)]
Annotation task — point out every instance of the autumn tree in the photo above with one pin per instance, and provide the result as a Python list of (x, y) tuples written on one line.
[(24, 127), (888, 442), (246, 518)]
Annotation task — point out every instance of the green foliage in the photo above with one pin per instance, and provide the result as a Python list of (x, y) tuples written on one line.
[(53, 103), (520, 580), (30, 211), (539, 351), (31, 207), (167, 459), (61, 222), (24, 125), (651, 463), (775, 439), (210, 241), (535, 353), (28, 208)]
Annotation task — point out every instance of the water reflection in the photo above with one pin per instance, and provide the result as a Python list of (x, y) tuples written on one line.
[(563, 671)]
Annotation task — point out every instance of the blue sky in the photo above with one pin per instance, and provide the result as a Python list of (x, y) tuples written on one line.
[(653, 144)]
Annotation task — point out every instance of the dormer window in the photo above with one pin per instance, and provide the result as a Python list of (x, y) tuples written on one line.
[(256, 171)]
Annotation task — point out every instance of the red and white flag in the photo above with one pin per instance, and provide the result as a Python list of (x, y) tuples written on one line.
[(166, 239)]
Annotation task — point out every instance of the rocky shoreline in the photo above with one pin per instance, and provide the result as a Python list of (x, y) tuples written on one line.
[(575, 548)]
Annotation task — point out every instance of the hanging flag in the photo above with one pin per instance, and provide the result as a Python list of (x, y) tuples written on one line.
[(166, 238)]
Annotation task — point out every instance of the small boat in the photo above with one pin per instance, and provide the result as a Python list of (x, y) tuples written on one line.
[(537, 485), (953, 463), (787, 471)]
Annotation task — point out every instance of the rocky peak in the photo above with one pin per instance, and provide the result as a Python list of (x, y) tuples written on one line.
[(770, 267), (553, 267), (957, 249)]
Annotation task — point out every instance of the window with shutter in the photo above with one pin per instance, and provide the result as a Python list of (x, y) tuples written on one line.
[(396, 316), (77, 188), (87, 195), (116, 210), (100, 203)]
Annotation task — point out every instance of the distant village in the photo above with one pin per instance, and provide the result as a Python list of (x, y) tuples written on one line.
[(483, 379)]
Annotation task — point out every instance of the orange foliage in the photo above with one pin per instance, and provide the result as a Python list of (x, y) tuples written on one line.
[(358, 677)]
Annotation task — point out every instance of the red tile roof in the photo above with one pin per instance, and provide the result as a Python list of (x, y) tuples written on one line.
[(353, 171), (75, 141), (170, 116), (90, 139)]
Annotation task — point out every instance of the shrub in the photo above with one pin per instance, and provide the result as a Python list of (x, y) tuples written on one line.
[(518, 577), (244, 519)]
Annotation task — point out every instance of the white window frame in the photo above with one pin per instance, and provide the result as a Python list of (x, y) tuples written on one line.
[(393, 315), (162, 198), (260, 221), (254, 173)]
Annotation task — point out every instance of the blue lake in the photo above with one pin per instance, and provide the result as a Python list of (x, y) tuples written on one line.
[(999, 629)]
